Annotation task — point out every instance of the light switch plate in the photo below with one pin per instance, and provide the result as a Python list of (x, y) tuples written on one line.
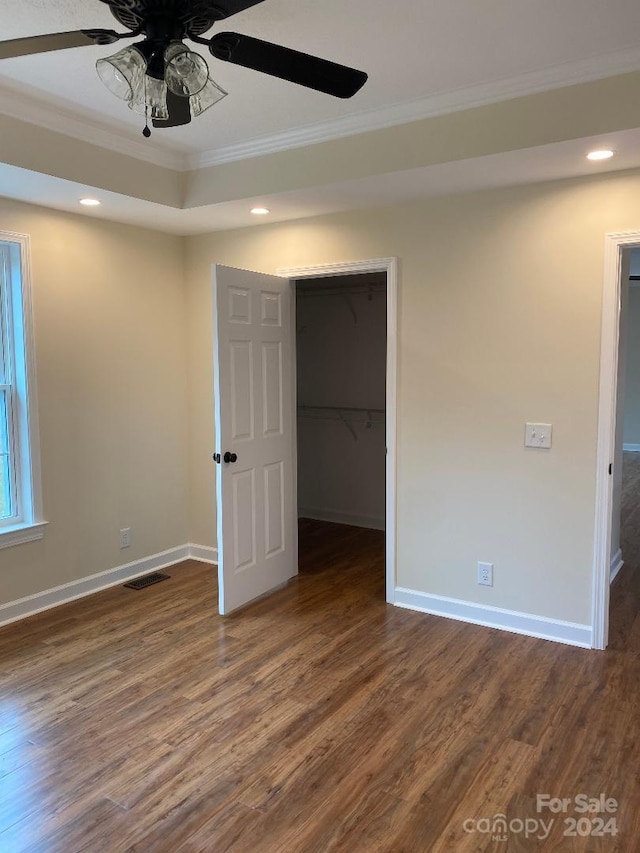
[(538, 435)]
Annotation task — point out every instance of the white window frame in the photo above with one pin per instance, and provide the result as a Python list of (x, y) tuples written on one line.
[(27, 523)]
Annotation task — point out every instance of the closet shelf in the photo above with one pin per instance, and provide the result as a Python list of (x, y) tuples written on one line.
[(345, 293), (348, 415)]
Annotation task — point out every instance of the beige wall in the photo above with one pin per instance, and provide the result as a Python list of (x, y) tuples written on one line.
[(499, 323), (110, 351)]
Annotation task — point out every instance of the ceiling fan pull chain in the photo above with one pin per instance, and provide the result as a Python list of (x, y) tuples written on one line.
[(147, 130)]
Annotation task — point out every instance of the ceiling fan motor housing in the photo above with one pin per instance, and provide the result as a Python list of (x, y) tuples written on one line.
[(166, 19)]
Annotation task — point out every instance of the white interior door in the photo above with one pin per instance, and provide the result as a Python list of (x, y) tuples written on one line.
[(254, 400)]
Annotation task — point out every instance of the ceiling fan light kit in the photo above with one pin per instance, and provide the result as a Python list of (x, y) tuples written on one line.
[(150, 77), (166, 82)]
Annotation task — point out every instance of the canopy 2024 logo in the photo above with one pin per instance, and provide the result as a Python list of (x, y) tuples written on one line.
[(583, 816)]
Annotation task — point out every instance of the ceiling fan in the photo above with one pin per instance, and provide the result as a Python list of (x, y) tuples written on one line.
[(165, 81)]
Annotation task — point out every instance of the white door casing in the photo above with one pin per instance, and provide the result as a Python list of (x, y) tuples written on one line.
[(254, 409)]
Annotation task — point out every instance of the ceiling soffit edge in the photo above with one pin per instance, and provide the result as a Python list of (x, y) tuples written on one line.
[(34, 110)]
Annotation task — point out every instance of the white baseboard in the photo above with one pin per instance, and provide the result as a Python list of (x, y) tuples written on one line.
[(632, 448), (203, 553), (616, 564), (369, 521), (494, 617), (32, 604)]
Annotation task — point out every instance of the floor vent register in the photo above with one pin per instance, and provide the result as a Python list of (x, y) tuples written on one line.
[(147, 580)]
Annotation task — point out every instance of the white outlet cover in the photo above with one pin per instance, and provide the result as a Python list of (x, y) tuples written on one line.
[(538, 435), (485, 574)]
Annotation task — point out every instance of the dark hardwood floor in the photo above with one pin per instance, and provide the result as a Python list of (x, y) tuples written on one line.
[(318, 719)]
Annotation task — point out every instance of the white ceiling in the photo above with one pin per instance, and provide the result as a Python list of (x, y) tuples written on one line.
[(423, 58)]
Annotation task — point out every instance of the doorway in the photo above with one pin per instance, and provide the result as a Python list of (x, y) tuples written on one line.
[(614, 478), (340, 357), (628, 432), (365, 277)]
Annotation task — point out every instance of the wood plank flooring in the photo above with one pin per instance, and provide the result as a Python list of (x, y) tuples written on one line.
[(318, 719)]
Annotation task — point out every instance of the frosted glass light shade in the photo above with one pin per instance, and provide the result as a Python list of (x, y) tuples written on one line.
[(206, 97), (150, 98), (122, 73), (186, 72)]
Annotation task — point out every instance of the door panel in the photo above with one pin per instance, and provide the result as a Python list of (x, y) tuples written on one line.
[(243, 521), (254, 420), (239, 305), (271, 309), (274, 527), (272, 402), (241, 390)]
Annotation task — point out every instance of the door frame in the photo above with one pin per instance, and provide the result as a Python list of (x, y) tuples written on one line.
[(615, 244), (390, 267)]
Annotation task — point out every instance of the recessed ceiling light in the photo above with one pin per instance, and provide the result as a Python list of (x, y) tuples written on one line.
[(260, 211), (90, 202), (605, 154)]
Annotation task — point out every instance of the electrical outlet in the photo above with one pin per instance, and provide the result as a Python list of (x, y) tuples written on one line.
[(485, 574), (125, 537)]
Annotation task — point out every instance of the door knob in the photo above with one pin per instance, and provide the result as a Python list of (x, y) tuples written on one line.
[(230, 457)]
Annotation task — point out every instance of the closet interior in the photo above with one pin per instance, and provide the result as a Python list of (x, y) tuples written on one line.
[(341, 334)]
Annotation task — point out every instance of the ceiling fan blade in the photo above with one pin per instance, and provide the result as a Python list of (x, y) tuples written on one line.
[(288, 64), (218, 10), (56, 41), (179, 112)]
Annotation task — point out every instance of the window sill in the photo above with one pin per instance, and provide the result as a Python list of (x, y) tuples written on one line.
[(17, 534)]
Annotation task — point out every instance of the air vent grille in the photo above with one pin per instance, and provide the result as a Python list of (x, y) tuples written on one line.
[(147, 580)]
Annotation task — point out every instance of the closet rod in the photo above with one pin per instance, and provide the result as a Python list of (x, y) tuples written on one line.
[(340, 410), (348, 415)]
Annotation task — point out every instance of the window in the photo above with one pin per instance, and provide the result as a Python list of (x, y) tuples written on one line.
[(20, 502)]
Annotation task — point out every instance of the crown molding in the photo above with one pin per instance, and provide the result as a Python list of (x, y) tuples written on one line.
[(568, 74), (33, 110)]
